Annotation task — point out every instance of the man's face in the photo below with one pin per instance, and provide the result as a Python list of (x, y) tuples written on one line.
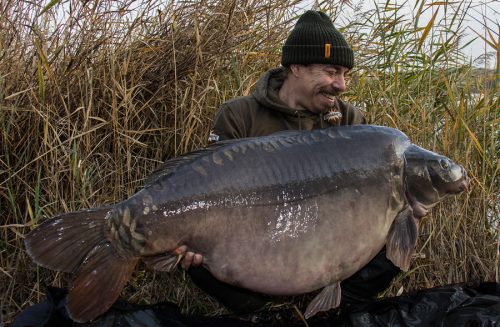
[(318, 85)]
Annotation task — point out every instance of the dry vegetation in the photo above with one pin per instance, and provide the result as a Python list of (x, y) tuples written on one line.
[(92, 100)]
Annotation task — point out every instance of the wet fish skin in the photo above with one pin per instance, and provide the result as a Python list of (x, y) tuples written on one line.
[(430, 178), (283, 214)]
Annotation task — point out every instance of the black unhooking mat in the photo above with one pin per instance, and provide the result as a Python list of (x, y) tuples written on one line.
[(454, 305)]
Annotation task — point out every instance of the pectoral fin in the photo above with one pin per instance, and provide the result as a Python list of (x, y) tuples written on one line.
[(163, 262), (329, 298), (402, 239)]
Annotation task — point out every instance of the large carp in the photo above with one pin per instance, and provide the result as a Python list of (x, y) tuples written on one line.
[(284, 214)]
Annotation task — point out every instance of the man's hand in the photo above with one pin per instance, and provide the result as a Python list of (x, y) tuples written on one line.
[(189, 258)]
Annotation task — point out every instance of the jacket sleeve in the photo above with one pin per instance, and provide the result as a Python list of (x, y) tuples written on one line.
[(229, 124)]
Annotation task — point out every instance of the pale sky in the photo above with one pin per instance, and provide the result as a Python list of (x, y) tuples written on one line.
[(476, 14), (479, 10)]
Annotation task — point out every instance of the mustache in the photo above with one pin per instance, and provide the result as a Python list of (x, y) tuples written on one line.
[(331, 91)]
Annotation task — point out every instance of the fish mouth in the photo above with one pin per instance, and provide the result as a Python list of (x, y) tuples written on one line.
[(453, 182), (461, 184)]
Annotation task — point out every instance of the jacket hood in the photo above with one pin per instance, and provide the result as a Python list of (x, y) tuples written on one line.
[(266, 93)]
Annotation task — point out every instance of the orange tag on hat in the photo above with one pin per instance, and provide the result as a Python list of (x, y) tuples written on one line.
[(327, 51)]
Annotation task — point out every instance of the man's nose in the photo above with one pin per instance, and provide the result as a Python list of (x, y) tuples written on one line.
[(338, 83)]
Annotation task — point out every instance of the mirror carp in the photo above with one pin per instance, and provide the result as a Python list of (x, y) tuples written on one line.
[(284, 214)]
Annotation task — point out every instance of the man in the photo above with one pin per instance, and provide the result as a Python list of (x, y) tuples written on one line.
[(300, 95)]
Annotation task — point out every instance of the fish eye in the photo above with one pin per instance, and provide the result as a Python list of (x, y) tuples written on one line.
[(444, 164)]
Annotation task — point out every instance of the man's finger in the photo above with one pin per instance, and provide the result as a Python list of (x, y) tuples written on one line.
[(188, 259), (181, 249), (197, 259)]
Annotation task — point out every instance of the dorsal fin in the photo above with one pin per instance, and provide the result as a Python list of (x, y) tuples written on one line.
[(171, 165)]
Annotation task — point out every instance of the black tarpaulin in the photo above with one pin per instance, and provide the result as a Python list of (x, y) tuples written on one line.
[(454, 305)]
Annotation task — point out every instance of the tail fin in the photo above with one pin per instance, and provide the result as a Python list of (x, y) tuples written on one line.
[(62, 243), (99, 283), (78, 242)]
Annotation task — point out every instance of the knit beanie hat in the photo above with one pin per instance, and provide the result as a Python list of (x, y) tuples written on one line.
[(314, 40)]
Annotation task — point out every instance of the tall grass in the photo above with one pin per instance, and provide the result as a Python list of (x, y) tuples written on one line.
[(95, 95)]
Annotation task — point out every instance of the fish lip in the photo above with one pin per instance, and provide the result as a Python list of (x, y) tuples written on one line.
[(464, 185), (461, 185), (466, 182)]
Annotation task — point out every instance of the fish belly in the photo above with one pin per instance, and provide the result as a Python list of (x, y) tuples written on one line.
[(297, 246)]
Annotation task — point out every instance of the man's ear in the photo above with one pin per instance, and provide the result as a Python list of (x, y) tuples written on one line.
[(294, 69)]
